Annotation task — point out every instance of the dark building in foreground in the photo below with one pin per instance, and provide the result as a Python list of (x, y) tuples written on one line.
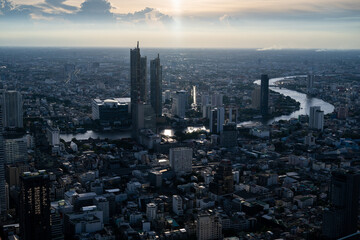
[(35, 206), (341, 218), (223, 179), (156, 85), (264, 95)]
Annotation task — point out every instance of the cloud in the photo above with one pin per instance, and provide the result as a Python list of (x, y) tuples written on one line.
[(94, 10), (269, 48), (59, 4), (8, 11), (147, 15)]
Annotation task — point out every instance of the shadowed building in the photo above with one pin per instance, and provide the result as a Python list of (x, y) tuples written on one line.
[(341, 218), (35, 206), (156, 85), (264, 95)]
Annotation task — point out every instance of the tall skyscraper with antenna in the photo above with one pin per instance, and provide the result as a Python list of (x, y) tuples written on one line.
[(138, 92), (156, 85)]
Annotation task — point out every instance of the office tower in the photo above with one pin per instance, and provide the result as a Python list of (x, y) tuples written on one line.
[(217, 120), (223, 182), (151, 211), (13, 109), (35, 206), (15, 150), (180, 102), (341, 218), (232, 113), (255, 98), (208, 226), (181, 159), (316, 118), (206, 111), (264, 95), (138, 70), (177, 205), (156, 85), (2, 169), (217, 100), (310, 83), (228, 137), (205, 100), (138, 86)]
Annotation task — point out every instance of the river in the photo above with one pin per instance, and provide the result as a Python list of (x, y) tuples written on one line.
[(305, 103)]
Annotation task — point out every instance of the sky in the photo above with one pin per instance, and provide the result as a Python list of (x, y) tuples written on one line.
[(259, 24)]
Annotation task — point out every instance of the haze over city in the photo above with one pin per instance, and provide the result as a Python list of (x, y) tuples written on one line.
[(263, 24)]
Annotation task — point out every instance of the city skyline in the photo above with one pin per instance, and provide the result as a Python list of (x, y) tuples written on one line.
[(263, 25)]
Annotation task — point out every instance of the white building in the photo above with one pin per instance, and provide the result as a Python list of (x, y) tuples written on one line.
[(309, 140), (181, 159), (88, 221), (208, 226), (53, 135), (151, 211), (316, 118), (177, 205)]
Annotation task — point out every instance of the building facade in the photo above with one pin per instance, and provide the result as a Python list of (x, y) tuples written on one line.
[(156, 85)]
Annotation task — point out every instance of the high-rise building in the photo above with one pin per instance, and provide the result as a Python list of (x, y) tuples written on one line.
[(35, 205), (193, 95), (310, 83), (223, 182), (255, 98), (177, 205), (217, 100), (180, 101), (208, 226), (228, 137), (15, 150), (181, 159), (156, 85), (151, 211), (264, 95), (138, 93), (217, 120), (316, 118), (2, 168), (341, 219), (13, 109)]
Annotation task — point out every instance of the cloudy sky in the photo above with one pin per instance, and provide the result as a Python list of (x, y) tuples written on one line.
[(267, 24)]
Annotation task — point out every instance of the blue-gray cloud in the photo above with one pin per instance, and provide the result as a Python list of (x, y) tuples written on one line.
[(8, 11), (147, 15), (94, 10), (59, 4)]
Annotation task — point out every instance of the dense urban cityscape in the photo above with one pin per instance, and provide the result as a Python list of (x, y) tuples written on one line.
[(179, 144)]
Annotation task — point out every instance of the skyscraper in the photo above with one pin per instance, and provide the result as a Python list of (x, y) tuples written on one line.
[(13, 109), (138, 70), (156, 85), (35, 206), (310, 83), (316, 118), (217, 120), (341, 218), (138, 86), (2, 168), (264, 95)]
